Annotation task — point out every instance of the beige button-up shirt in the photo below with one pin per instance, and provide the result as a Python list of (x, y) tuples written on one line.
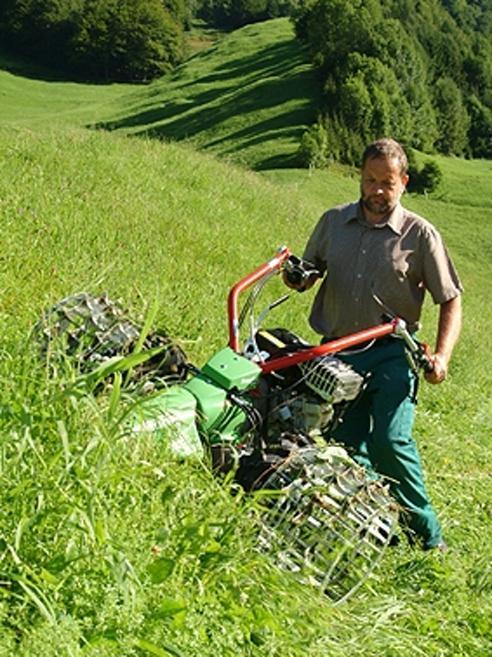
[(397, 260)]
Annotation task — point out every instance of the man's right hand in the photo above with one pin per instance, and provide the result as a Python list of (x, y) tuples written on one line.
[(302, 286), (298, 274)]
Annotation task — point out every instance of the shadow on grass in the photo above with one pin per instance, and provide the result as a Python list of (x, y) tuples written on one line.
[(24, 67), (244, 89), (263, 64), (274, 59), (267, 95)]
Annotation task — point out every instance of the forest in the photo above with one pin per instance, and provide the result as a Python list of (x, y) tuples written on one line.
[(421, 71)]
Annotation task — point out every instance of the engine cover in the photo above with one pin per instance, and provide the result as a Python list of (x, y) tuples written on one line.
[(332, 379)]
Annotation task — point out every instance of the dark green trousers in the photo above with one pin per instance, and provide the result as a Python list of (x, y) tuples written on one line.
[(377, 428)]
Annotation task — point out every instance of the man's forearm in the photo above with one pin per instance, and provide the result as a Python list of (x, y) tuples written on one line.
[(448, 332), (449, 327)]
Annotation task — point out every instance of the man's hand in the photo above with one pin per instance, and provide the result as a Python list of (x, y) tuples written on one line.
[(299, 274), (440, 370), (300, 287)]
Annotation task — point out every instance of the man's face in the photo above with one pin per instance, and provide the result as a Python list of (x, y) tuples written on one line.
[(382, 184)]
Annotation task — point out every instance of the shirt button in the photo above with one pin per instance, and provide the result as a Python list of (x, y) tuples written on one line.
[(356, 299), (364, 252), (359, 275)]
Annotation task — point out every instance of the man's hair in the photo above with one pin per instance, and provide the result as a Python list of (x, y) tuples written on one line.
[(386, 148)]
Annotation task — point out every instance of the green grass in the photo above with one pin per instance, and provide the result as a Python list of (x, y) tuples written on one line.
[(85, 514), (32, 97), (110, 548), (248, 98)]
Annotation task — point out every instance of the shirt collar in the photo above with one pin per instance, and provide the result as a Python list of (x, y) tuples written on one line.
[(394, 220)]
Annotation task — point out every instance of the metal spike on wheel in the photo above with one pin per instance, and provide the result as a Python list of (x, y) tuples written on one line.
[(326, 520), (91, 330)]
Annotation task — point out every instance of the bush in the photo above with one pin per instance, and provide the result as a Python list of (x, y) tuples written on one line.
[(430, 177), (330, 140), (235, 13), (126, 40), (426, 179), (313, 150)]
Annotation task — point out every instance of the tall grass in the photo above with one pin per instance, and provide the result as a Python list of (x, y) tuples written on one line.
[(109, 546)]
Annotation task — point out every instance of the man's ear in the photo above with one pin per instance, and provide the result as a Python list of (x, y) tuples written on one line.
[(404, 179)]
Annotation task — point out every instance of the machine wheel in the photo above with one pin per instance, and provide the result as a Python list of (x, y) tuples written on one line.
[(325, 521), (90, 330)]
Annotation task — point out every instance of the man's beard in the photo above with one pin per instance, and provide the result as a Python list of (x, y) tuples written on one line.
[(376, 205)]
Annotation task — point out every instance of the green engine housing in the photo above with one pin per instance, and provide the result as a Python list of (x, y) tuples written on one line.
[(202, 407), (219, 418)]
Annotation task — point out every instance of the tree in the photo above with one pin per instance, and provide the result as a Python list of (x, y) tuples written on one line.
[(391, 68), (100, 39), (335, 28), (314, 147), (40, 28), (452, 118), (480, 131), (422, 179), (126, 40), (235, 13), (430, 177)]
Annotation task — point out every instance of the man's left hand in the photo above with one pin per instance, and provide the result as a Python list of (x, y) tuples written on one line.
[(440, 370)]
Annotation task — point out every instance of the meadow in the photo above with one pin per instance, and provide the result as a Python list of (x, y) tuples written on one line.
[(112, 548)]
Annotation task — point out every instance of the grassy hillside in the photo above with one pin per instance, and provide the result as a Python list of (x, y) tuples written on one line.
[(32, 96), (111, 548), (248, 98)]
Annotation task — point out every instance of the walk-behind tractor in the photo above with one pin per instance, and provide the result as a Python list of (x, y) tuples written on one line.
[(263, 408)]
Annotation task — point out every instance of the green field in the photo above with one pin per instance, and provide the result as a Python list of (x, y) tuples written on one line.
[(110, 548)]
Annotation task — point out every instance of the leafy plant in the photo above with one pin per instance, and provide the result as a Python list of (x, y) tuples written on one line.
[(313, 149), (425, 179)]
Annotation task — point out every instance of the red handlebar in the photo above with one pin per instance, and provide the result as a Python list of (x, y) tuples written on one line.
[(395, 326), (331, 347), (232, 307)]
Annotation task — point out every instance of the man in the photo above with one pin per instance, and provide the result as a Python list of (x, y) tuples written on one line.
[(376, 252)]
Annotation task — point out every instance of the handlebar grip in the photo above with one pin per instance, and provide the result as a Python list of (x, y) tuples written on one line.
[(297, 272), (426, 361), (419, 353), (294, 276)]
